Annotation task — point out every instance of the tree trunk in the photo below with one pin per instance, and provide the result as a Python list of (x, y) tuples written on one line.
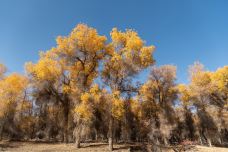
[(62, 136), (1, 132), (77, 141), (66, 130), (96, 135), (110, 134), (66, 113), (78, 136), (207, 137), (165, 141), (200, 139), (157, 141), (209, 142), (220, 140)]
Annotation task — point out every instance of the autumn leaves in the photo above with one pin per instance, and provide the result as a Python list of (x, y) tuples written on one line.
[(69, 70), (86, 81)]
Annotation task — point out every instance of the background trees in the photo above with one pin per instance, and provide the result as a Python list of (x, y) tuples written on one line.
[(14, 105), (85, 88), (200, 94), (157, 97)]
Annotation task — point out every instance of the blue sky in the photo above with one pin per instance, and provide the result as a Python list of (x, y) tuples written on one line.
[(183, 31)]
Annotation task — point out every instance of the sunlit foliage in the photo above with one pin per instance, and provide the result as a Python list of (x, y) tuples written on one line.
[(85, 88)]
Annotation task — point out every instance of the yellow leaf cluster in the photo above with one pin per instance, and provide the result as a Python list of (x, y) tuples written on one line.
[(220, 77), (201, 78), (96, 93), (12, 90), (85, 97), (117, 105), (84, 112), (82, 38), (136, 108), (46, 68), (131, 48), (184, 94)]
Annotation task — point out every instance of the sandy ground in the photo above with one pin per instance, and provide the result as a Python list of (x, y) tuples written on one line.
[(211, 149), (57, 147), (86, 147)]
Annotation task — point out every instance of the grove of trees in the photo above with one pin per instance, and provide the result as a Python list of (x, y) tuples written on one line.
[(85, 89)]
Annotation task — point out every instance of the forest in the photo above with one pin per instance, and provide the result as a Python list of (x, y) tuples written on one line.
[(88, 88)]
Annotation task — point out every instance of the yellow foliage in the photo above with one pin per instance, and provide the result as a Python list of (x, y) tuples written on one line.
[(220, 78), (136, 108), (184, 94), (96, 93), (117, 105), (82, 38), (130, 47), (47, 67), (12, 90), (201, 78), (85, 97), (66, 88), (145, 89), (145, 55), (84, 112)]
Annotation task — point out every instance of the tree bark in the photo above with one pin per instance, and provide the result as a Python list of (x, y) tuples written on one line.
[(96, 135), (1, 131), (165, 141), (66, 113), (209, 142), (200, 139), (78, 137), (110, 134), (65, 134), (157, 141), (77, 141), (220, 140)]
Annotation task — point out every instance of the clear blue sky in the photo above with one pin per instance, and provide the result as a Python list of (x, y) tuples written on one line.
[(183, 31)]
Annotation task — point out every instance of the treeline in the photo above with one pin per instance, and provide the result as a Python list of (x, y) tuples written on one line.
[(85, 88)]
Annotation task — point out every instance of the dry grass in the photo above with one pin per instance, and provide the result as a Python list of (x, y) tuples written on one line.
[(87, 147)]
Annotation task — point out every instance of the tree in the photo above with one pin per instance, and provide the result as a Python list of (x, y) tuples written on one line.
[(186, 117), (158, 95), (12, 95), (219, 98), (198, 93), (48, 78), (81, 53), (72, 67), (85, 87), (127, 56)]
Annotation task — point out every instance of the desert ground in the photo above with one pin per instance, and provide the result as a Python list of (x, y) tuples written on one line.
[(96, 147)]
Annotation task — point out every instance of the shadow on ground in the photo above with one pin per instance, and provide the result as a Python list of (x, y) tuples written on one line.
[(8, 145)]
